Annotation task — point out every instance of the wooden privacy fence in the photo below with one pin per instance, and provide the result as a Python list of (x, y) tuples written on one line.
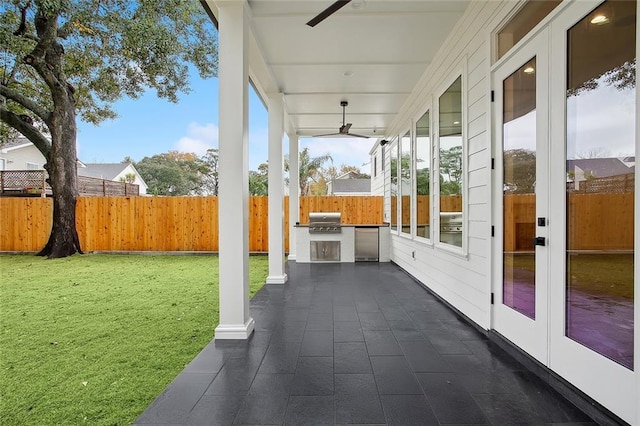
[(598, 221), (34, 182), (161, 223)]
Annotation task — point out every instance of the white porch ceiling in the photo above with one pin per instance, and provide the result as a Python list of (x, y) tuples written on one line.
[(370, 53)]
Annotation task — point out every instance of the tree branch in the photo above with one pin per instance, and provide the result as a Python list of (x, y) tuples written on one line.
[(25, 102), (28, 130), (66, 29)]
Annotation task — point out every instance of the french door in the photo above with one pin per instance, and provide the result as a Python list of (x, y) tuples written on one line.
[(521, 204), (564, 141)]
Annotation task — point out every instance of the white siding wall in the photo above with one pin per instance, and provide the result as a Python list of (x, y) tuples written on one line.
[(17, 159), (462, 280), (387, 188), (377, 177), (137, 181)]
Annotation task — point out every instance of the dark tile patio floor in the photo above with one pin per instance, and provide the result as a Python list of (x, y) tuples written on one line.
[(357, 344)]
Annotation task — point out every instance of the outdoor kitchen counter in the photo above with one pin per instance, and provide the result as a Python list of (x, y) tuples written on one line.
[(346, 238)]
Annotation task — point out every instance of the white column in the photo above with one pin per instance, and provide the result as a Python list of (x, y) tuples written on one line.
[(276, 190), (294, 193), (233, 194)]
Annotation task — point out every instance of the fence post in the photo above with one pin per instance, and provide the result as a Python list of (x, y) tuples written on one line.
[(104, 187), (2, 182)]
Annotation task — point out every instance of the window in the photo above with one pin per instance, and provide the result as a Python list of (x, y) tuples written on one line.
[(382, 156), (528, 17), (375, 165), (3, 164), (406, 189), (450, 164), (601, 149), (393, 153), (33, 166), (423, 176)]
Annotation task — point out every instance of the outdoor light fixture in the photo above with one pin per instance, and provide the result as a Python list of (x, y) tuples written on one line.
[(383, 142)]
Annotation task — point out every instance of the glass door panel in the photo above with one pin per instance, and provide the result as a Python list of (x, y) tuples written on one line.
[(521, 124), (600, 162), (519, 199)]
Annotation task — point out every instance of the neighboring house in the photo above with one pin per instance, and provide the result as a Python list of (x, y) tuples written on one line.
[(20, 154), (592, 168), (600, 167), (349, 184), (116, 172)]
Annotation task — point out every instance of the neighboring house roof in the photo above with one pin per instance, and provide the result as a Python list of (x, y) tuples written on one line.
[(351, 185), (600, 167), (107, 171), (22, 142), (349, 175), (15, 143)]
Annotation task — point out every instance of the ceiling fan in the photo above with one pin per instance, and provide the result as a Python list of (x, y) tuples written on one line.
[(328, 12), (343, 132)]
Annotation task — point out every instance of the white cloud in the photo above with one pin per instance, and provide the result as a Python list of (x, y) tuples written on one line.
[(347, 151), (199, 138)]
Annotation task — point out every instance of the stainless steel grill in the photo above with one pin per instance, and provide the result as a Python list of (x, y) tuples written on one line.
[(324, 223), (451, 228)]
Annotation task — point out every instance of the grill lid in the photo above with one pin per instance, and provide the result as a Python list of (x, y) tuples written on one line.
[(322, 222)]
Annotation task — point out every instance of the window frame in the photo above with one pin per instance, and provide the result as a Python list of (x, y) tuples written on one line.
[(375, 165), (393, 145), (459, 72), (401, 136), (428, 108)]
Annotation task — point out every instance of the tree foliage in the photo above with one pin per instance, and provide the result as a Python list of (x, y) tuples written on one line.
[(173, 173), (64, 58), (210, 178), (451, 171), (310, 168), (259, 180), (519, 171)]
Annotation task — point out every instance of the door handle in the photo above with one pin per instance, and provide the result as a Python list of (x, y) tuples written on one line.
[(540, 241)]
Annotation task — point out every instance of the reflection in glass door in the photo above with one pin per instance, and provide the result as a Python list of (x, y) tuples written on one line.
[(600, 164), (519, 199), (521, 176)]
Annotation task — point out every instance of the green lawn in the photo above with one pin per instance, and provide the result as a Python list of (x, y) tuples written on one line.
[(604, 273), (95, 338)]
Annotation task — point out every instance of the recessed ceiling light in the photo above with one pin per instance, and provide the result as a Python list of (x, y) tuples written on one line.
[(529, 70), (599, 20), (347, 73), (456, 122), (357, 4)]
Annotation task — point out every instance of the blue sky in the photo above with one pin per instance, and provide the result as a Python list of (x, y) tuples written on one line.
[(149, 126)]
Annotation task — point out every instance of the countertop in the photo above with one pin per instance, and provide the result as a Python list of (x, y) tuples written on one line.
[(357, 225)]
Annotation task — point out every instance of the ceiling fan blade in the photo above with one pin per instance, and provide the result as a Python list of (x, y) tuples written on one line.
[(355, 135), (327, 12), (328, 135)]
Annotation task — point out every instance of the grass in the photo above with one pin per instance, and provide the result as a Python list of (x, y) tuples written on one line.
[(604, 273), (95, 338)]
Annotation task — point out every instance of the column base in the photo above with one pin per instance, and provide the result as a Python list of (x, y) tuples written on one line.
[(291, 257), (235, 332), (277, 279)]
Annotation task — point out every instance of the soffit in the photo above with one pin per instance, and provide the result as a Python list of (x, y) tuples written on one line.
[(371, 56)]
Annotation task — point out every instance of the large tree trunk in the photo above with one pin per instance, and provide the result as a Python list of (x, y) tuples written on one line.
[(63, 178)]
